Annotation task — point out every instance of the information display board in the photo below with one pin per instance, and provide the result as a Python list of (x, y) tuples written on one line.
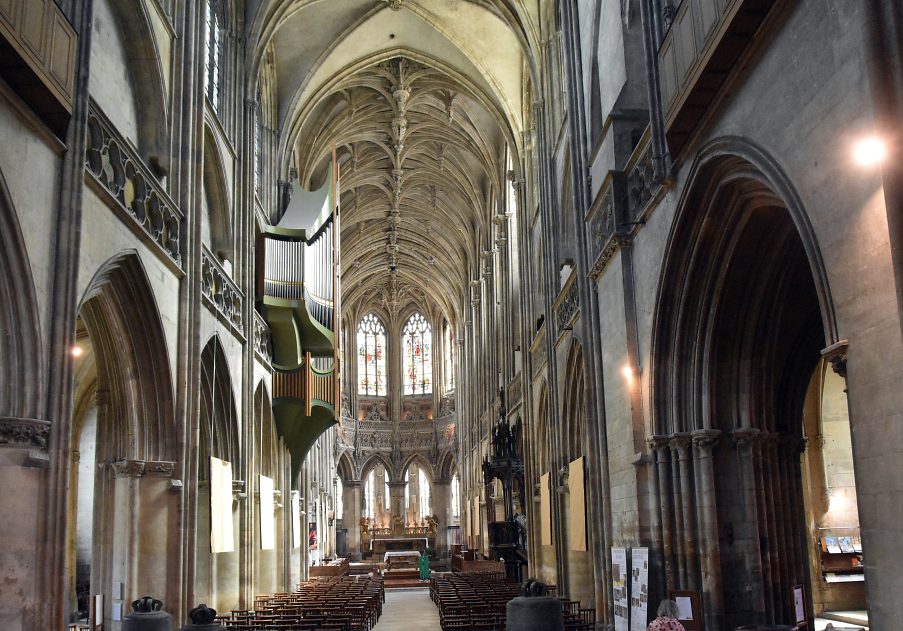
[(639, 588), (619, 588)]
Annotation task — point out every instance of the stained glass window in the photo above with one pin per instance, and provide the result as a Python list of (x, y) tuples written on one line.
[(418, 359), (449, 352), (213, 50), (371, 353)]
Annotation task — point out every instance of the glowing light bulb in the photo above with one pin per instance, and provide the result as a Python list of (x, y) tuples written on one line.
[(76, 351), (870, 151), (627, 371)]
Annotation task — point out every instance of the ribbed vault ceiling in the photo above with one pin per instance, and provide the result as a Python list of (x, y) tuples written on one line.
[(421, 99)]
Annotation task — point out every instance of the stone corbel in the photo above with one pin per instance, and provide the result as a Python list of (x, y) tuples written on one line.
[(745, 436), (563, 478), (128, 468), (238, 490), (837, 354)]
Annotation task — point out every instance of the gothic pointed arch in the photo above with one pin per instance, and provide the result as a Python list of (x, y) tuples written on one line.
[(573, 413), (21, 386), (217, 200), (146, 73), (421, 462), (218, 414), (743, 313), (375, 460), (120, 314), (345, 467)]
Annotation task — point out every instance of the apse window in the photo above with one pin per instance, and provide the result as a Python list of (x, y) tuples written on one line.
[(418, 361), (371, 356)]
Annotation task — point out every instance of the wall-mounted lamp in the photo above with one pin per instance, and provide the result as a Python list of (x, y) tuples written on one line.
[(869, 152)]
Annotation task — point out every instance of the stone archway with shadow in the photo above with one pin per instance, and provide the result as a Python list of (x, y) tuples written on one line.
[(743, 315), (124, 444)]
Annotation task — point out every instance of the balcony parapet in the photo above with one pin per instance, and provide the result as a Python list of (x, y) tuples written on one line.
[(129, 188), (262, 340), (220, 293)]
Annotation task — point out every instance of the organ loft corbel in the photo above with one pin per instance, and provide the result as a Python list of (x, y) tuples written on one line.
[(836, 354)]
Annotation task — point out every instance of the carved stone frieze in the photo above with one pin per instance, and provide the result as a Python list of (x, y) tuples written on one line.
[(24, 432), (642, 183), (414, 411), (262, 340), (220, 293), (128, 468), (159, 468), (448, 437), (515, 391), (447, 406), (568, 306), (118, 171)]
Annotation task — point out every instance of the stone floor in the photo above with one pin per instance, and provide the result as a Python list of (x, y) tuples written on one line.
[(408, 610)]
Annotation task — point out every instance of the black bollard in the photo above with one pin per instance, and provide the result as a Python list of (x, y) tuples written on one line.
[(147, 615), (533, 610), (203, 618)]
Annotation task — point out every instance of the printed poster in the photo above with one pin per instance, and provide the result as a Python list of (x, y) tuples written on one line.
[(639, 588), (313, 540), (619, 587)]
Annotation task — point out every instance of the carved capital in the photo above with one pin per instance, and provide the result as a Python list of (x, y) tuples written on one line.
[(680, 443), (837, 355), (744, 436), (705, 439), (24, 432), (658, 442)]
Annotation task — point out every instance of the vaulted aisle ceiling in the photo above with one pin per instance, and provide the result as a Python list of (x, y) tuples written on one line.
[(421, 98)]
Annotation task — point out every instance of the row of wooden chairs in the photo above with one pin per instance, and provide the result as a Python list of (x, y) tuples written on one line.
[(479, 601), (335, 603), (472, 601)]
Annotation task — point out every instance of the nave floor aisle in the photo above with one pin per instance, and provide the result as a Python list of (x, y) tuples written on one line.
[(408, 610)]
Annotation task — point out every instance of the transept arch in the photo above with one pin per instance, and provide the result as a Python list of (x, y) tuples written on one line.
[(217, 575), (123, 441), (736, 339), (122, 319)]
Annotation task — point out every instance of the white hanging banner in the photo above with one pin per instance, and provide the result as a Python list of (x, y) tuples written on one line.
[(619, 588), (267, 519), (221, 535), (296, 520), (639, 588)]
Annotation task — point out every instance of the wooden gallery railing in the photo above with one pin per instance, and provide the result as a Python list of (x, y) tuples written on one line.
[(309, 383)]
